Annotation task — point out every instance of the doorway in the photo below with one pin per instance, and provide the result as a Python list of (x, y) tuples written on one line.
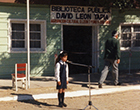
[(77, 41)]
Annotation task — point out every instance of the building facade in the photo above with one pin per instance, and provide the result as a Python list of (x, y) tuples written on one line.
[(82, 37)]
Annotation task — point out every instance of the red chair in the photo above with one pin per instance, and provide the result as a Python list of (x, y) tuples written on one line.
[(20, 75)]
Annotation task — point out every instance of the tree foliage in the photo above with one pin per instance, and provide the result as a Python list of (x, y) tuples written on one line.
[(121, 4)]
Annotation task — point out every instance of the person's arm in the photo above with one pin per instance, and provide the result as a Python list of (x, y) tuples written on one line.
[(57, 72), (118, 61), (118, 52), (105, 46), (67, 73)]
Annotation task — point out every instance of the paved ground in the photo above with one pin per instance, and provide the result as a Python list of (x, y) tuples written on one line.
[(117, 101), (40, 85)]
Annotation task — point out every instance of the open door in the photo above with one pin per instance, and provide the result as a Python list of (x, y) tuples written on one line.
[(77, 41)]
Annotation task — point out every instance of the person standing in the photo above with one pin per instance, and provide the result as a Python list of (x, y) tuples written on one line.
[(61, 74), (111, 58)]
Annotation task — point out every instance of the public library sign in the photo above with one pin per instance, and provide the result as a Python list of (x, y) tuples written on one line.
[(79, 15)]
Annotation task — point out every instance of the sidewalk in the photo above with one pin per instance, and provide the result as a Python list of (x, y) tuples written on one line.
[(45, 87)]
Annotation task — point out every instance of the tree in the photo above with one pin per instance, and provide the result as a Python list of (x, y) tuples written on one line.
[(121, 4)]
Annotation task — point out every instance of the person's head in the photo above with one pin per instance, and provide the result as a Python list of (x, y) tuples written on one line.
[(115, 34), (62, 56)]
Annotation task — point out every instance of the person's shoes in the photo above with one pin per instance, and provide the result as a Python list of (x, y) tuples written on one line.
[(65, 105), (118, 84), (99, 85), (60, 105)]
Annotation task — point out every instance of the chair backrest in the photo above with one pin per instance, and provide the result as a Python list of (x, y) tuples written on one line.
[(20, 68)]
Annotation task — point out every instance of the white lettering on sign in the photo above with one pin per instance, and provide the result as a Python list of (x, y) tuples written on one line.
[(80, 15)]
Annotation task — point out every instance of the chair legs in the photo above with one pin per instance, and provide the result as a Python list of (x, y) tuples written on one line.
[(20, 75), (15, 85), (23, 83)]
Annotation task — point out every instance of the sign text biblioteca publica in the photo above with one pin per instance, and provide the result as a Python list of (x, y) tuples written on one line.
[(79, 15)]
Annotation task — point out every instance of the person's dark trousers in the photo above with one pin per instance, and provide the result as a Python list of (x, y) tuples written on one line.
[(63, 97), (60, 99), (104, 73)]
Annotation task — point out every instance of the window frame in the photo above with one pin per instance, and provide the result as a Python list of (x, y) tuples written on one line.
[(132, 29), (24, 50)]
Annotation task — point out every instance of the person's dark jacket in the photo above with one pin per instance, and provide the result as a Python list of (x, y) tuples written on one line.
[(112, 49)]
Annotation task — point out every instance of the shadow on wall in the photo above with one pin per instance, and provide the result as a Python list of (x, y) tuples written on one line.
[(45, 64), (42, 64)]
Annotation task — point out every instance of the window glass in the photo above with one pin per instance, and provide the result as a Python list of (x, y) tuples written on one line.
[(136, 28), (18, 44), (130, 36), (17, 26), (126, 36), (35, 36), (125, 43), (35, 44), (126, 29), (35, 27), (19, 35), (136, 40)]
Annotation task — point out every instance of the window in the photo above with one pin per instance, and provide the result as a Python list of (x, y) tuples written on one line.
[(130, 37), (18, 32), (18, 35), (35, 36)]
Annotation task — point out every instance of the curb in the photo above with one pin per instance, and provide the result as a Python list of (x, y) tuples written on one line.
[(70, 94)]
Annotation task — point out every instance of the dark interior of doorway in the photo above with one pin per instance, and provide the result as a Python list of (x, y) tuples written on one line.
[(77, 41)]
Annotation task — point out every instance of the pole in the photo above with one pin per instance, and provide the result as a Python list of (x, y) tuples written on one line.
[(130, 54), (89, 67), (90, 102), (28, 42)]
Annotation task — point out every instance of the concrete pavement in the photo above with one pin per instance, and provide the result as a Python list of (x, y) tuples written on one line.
[(77, 87)]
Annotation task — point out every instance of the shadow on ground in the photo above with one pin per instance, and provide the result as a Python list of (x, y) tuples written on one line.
[(28, 98), (5, 87), (124, 78), (42, 79)]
